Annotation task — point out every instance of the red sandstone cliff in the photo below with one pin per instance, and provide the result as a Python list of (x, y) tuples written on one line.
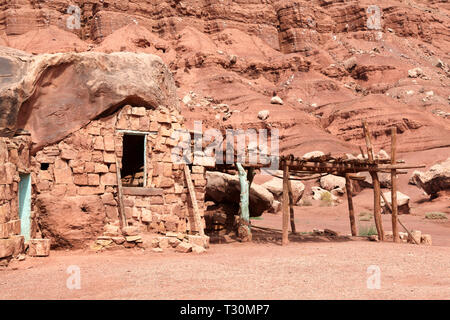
[(321, 58)]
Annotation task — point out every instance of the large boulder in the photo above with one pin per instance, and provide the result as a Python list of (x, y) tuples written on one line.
[(70, 222), (434, 180), (402, 202), (385, 179), (53, 95), (275, 186), (225, 188), (330, 182)]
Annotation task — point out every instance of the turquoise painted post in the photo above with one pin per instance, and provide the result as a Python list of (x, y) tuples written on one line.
[(244, 203), (25, 205)]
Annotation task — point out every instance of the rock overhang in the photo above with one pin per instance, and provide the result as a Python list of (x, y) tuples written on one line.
[(53, 95)]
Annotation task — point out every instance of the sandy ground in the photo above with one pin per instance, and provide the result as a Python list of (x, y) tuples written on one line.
[(308, 268), (302, 270)]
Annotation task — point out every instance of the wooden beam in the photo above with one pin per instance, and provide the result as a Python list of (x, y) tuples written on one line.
[(394, 185), (285, 221), (376, 184), (351, 211), (197, 218)]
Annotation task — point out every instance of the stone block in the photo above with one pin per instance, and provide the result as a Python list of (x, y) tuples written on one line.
[(101, 168), (199, 240), (93, 179), (108, 199), (4, 231), (184, 247), (99, 144), (5, 212), (80, 179), (6, 248), (39, 247), (108, 179), (14, 227), (109, 143), (19, 244), (109, 157)]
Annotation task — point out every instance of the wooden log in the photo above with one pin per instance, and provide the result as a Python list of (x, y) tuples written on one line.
[(122, 215), (285, 221), (291, 207), (197, 218), (394, 186), (375, 183), (351, 211)]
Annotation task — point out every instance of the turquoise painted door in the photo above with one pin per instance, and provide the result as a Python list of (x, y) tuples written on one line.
[(25, 205)]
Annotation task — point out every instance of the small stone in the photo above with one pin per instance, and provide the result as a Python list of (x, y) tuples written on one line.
[(134, 239), (415, 235), (263, 114), (426, 239), (198, 249), (276, 100), (373, 238), (130, 231), (118, 240), (157, 250)]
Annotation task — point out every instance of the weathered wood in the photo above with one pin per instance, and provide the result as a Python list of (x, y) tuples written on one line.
[(285, 224), (122, 215), (245, 231), (375, 183), (351, 211), (394, 185), (197, 218), (291, 207)]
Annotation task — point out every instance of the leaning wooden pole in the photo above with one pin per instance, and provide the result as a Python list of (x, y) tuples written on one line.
[(394, 186), (351, 211), (122, 215), (285, 225), (376, 185), (197, 217)]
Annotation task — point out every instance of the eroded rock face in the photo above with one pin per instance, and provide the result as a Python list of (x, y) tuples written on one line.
[(434, 180), (53, 95), (225, 188), (70, 222)]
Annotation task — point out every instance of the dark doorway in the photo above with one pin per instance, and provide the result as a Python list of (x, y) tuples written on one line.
[(133, 168)]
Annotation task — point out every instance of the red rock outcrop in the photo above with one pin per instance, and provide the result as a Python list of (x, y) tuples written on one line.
[(235, 54)]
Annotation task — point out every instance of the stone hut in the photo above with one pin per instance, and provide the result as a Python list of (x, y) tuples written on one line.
[(66, 122)]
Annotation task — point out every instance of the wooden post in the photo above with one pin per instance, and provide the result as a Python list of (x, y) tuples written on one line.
[(285, 238), (122, 216), (351, 212), (394, 185), (246, 234), (291, 207), (197, 218), (376, 185)]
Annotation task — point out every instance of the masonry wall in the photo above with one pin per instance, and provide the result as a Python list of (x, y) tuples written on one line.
[(14, 159), (76, 183)]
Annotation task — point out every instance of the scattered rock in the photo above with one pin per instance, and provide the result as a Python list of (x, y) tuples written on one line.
[(415, 235), (275, 186), (184, 247), (276, 100), (198, 249), (426, 239), (39, 247), (415, 73), (263, 114), (350, 63)]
